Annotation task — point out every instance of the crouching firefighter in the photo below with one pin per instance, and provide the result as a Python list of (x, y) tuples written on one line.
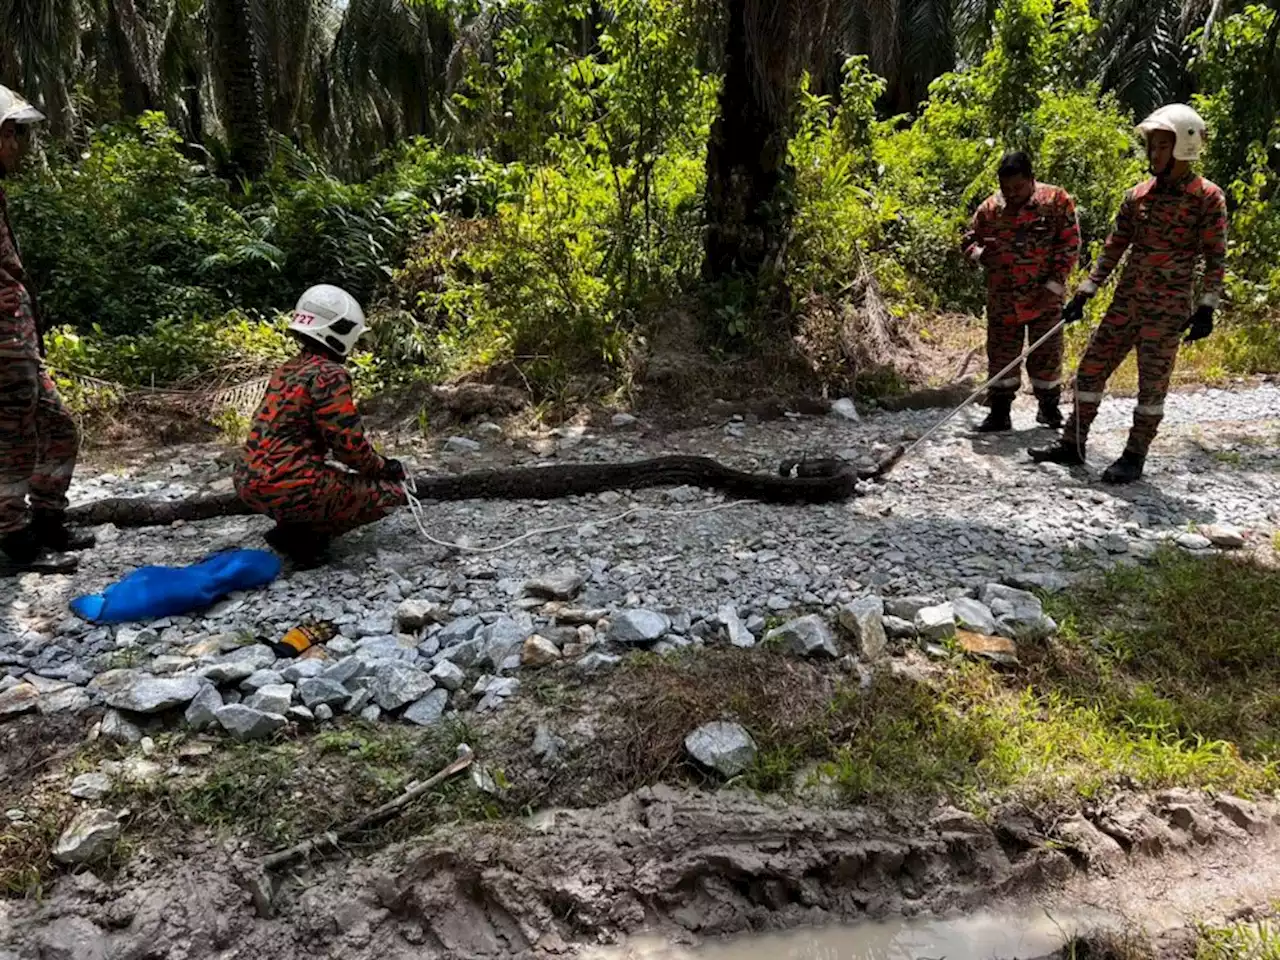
[(39, 441), (1166, 224), (309, 413), (1027, 237)]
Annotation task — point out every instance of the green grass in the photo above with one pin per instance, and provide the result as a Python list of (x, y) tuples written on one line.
[(1162, 676), (275, 794), (1245, 940)]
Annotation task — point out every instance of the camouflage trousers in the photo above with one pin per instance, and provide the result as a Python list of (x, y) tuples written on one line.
[(1006, 341), (329, 501), (1156, 338), (39, 443)]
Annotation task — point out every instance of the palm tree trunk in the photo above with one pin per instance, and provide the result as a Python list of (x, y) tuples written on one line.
[(244, 102), (746, 158), (133, 57)]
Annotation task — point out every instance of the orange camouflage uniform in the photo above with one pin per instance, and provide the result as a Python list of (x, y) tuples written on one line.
[(1028, 255), (309, 411), (1166, 228), (39, 441)]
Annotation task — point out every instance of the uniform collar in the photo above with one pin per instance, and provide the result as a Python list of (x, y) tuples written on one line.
[(1032, 202), (1176, 186)]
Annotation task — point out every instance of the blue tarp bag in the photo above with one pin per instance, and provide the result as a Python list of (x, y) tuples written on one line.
[(152, 592)]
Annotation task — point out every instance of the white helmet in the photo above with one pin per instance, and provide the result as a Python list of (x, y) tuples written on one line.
[(1185, 124), (330, 316), (13, 106)]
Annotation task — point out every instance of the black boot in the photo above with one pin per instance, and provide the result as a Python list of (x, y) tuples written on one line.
[(1066, 452), (20, 552), (998, 420), (1125, 470), (300, 544), (1049, 415), (49, 527)]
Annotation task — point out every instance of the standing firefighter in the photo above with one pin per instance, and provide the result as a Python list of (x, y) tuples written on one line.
[(38, 438), (1028, 239), (308, 412), (1166, 224)]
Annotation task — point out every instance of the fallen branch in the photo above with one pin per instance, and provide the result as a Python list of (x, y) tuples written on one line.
[(331, 838)]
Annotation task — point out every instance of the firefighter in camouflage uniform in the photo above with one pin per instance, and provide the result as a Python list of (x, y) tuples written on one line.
[(309, 413), (39, 441), (1027, 237), (1166, 224)]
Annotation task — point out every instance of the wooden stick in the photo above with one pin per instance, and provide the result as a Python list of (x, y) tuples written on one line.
[(387, 810)]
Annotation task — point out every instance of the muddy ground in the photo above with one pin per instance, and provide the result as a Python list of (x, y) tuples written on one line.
[(676, 865)]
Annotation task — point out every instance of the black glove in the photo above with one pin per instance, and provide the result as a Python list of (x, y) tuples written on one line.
[(1200, 325), (1074, 310), (393, 470)]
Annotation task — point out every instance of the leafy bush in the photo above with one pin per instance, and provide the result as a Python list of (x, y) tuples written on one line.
[(131, 232), (226, 349)]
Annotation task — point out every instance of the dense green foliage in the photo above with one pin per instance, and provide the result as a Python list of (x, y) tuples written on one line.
[(553, 258)]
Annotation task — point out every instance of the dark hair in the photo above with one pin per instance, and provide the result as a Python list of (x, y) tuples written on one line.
[(1015, 163)]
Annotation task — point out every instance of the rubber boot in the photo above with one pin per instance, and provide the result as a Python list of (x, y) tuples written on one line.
[(49, 527), (20, 552), (300, 544), (1125, 470), (999, 419), (1049, 415), (1066, 451)]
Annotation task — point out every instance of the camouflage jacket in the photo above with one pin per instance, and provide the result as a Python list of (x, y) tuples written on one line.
[(19, 335), (308, 412), (1166, 228), (1028, 253)]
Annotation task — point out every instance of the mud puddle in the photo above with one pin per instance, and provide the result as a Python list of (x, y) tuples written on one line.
[(1021, 932)]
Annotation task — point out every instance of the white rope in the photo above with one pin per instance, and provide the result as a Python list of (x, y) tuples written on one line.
[(410, 490)]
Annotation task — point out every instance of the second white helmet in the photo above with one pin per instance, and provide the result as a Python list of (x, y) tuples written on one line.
[(330, 316), (1187, 127)]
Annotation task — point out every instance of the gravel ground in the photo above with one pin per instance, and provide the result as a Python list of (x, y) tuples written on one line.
[(960, 513)]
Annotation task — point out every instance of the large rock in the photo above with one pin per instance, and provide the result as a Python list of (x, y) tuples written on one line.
[(735, 630), (69, 700), (303, 670), (1223, 535), (562, 585), (1019, 615), (499, 640), (259, 679), (147, 694), (19, 699), (448, 675), (428, 710), (863, 621), (539, 652), (245, 723), (90, 837), (459, 631), (638, 626), (906, 608), (724, 747), (807, 636), (936, 622), (318, 690), (239, 664), (346, 670), (273, 698), (90, 786), (597, 662), (119, 730), (395, 684), (203, 710), (973, 616), (413, 615)]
